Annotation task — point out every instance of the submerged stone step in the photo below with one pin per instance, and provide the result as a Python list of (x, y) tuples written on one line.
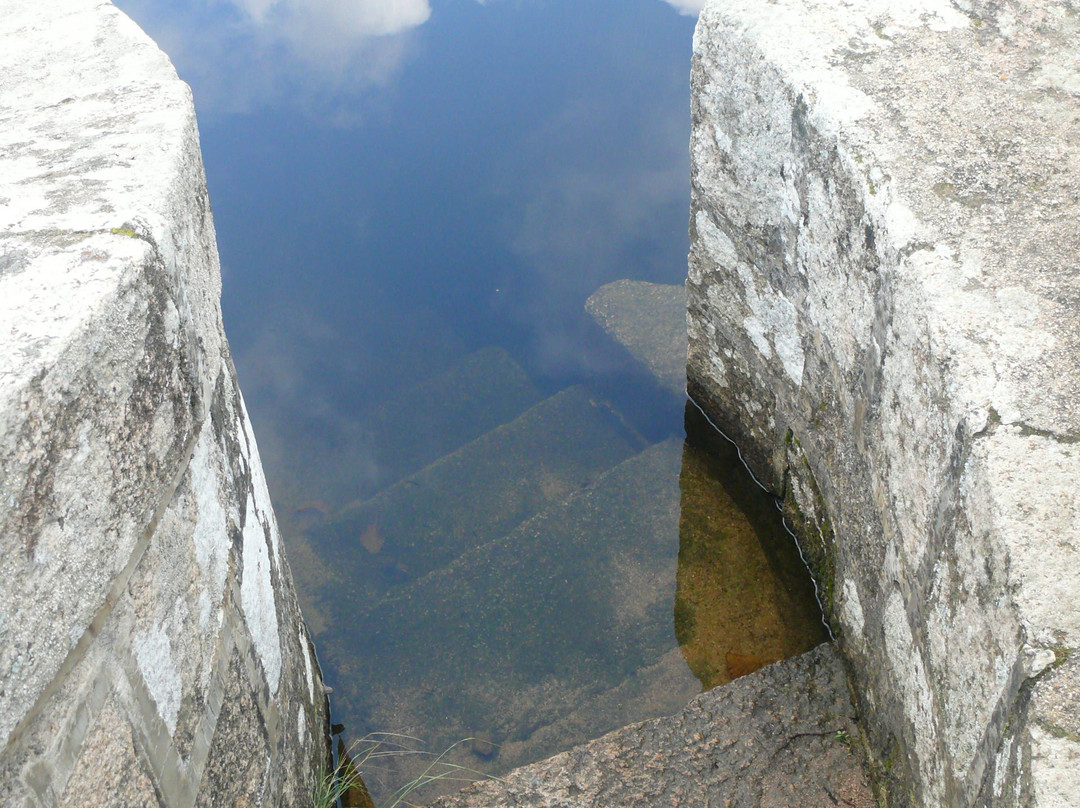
[(344, 457), (384, 444), (477, 493), (781, 737), (311, 395), (419, 425), (661, 687), (649, 320), (555, 633)]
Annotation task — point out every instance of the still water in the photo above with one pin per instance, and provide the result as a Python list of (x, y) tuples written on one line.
[(501, 520)]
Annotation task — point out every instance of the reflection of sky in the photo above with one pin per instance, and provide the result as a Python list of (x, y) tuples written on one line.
[(468, 177)]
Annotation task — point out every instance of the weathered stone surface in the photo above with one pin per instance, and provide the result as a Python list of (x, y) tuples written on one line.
[(649, 320), (239, 765), (883, 295), (109, 773), (138, 546), (782, 736), (1055, 734)]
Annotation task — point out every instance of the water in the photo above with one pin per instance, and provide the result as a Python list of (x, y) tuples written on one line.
[(743, 596), (501, 525)]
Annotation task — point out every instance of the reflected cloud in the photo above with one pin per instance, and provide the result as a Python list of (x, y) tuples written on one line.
[(318, 26), (582, 229), (312, 447), (689, 7), (314, 55), (598, 200)]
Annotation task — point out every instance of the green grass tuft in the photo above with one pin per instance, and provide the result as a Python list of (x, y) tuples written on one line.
[(346, 784)]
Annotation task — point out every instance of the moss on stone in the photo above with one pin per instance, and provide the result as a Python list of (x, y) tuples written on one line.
[(685, 622), (815, 535), (1056, 731)]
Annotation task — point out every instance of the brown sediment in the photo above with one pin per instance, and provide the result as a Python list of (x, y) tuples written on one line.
[(356, 796), (483, 748), (314, 508), (372, 539), (743, 664), (740, 603)]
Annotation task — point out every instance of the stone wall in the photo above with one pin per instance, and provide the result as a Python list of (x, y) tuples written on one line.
[(884, 311), (151, 647)]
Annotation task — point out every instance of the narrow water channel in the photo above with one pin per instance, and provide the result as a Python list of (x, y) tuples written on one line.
[(503, 522)]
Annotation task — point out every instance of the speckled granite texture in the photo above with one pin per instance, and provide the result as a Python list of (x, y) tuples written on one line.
[(884, 311), (151, 647), (779, 738)]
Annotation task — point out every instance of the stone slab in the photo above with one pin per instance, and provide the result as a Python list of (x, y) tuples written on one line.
[(469, 497), (649, 320), (551, 635), (380, 446), (437, 416), (782, 736), (138, 545), (326, 458), (883, 294)]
